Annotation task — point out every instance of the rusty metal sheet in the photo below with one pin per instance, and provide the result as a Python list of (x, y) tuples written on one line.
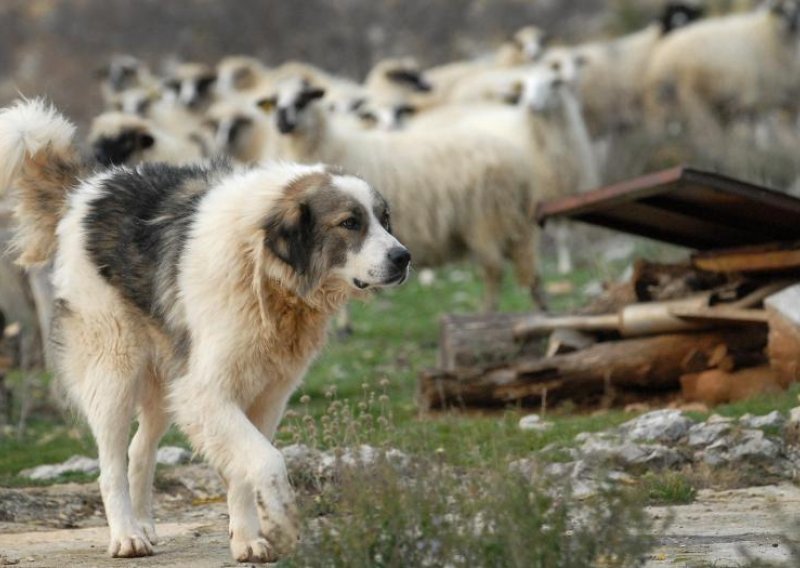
[(687, 207)]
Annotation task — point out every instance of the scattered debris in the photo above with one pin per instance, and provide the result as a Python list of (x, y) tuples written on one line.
[(709, 329)]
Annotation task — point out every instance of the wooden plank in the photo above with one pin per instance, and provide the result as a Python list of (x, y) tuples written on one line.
[(775, 257), (722, 315)]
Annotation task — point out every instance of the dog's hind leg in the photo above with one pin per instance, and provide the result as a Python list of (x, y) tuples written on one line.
[(153, 423), (109, 404), (101, 360)]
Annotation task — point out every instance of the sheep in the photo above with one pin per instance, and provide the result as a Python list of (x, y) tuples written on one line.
[(547, 125), (240, 130), (123, 72), (524, 47), (609, 73), (238, 74), (396, 81), (117, 138), (453, 193), (191, 85), (712, 72)]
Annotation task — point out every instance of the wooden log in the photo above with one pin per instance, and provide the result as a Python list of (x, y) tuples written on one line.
[(481, 341), (652, 363)]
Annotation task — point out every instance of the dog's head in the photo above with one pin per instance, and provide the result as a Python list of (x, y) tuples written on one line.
[(331, 226)]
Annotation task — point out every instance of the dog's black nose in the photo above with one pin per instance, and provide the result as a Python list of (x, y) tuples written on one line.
[(400, 257)]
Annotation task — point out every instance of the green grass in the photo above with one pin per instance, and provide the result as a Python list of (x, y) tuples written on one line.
[(668, 488), (372, 376)]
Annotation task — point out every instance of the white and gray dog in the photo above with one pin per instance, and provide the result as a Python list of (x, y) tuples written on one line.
[(197, 295)]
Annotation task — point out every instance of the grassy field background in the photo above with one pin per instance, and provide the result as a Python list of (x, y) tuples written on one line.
[(362, 388)]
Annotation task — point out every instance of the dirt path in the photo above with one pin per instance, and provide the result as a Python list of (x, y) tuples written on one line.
[(192, 526), (720, 525)]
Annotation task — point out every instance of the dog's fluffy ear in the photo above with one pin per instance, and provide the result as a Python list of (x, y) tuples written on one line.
[(290, 236)]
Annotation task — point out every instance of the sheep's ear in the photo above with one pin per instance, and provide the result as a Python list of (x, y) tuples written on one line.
[(268, 104), (581, 60), (514, 94), (312, 94), (289, 235)]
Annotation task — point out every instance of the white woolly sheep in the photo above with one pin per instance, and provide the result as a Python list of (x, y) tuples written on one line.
[(722, 68), (118, 138), (453, 194)]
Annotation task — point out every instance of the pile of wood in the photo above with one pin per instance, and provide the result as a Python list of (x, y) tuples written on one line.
[(679, 330)]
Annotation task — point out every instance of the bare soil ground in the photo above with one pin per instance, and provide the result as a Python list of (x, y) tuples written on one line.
[(63, 525)]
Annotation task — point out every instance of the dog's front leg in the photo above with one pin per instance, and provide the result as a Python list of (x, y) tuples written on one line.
[(253, 467)]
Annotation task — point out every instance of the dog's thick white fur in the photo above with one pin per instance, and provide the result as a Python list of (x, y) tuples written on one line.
[(195, 295)]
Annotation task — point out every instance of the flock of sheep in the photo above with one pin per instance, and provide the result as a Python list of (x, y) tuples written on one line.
[(464, 151)]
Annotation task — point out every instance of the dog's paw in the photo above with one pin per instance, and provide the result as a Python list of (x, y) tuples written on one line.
[(149, 529), (130, 546), (282, 536), (258, 550)]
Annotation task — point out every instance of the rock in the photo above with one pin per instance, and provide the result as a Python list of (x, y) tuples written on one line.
[(791, 430), (754, 446), (363, 456), (705, 434), (533, 422), (173, 455), (667, 426), (75, 464), (772, 420), (627, 454), (717, 453)]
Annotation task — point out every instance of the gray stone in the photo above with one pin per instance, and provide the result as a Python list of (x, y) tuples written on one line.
[(628, 454), (75, 464), (705, 434), (173, 455), (666, 426), (772, 420), (753, 445), (717, 453)]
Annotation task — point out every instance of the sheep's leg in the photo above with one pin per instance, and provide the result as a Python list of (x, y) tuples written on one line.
[(523, 256), (343, 323), (563, 252)]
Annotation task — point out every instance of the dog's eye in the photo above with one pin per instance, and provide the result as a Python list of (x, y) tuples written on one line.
[(351, 224)]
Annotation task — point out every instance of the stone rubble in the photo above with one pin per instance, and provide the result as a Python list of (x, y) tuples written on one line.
[(768, 446)]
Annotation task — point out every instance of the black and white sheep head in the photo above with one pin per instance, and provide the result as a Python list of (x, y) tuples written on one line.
[(788, 11), (530, 42), (233, 130), (568, 63), (406, 73), (123, 72), (679, 14), (377, 116), (117, 138), (138, 101), (191, 85), (539, 90), (289, 103)]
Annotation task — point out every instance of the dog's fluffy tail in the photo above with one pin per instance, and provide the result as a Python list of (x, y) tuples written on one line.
[(38, 159)]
